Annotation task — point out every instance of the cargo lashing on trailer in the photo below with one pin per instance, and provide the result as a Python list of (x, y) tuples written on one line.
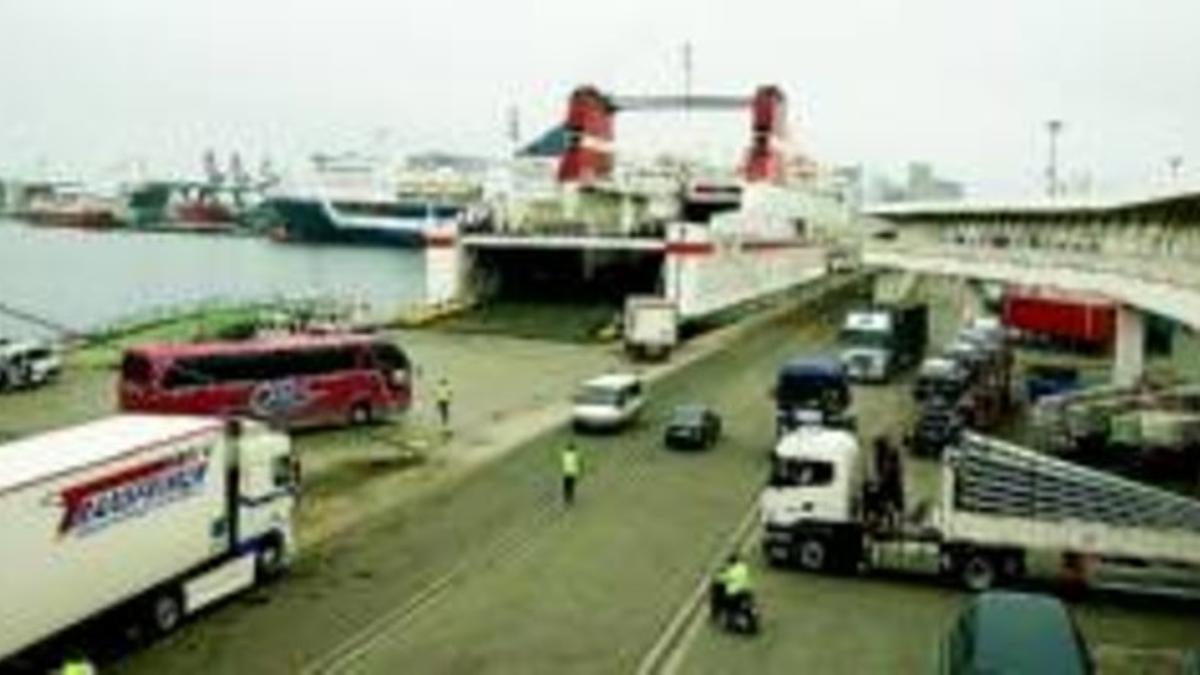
[(996, 478)]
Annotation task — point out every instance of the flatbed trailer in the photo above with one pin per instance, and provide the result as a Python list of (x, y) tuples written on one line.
[(998, 505)]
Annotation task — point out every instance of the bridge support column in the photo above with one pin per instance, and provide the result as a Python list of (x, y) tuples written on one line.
[(1129, 354), (446, 267)]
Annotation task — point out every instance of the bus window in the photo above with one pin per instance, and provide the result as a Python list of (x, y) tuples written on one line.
[(135, 369), (388, 355)]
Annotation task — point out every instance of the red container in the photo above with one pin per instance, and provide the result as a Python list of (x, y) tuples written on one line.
[(1081, 318)]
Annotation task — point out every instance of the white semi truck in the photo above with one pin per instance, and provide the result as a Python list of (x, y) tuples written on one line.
[(998, 506), (150, 517)]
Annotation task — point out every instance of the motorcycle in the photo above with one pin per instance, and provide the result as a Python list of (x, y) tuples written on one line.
[(738, 614)]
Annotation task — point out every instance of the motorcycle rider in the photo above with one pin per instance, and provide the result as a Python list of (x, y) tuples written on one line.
[(730, 593)]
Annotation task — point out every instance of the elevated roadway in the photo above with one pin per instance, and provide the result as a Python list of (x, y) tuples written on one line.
[(1164, 286), (1142, 251)]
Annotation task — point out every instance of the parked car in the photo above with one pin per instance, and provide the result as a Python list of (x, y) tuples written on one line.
[(692, 426), (608, 402), (1004, 632), (27, 364)]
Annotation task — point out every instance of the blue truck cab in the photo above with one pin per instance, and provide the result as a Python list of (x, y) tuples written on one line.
[(812, 391)]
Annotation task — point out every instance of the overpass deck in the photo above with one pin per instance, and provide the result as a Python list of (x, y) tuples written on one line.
[(1169, 286)]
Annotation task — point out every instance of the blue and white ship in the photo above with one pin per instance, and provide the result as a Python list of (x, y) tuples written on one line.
[(359, 199)]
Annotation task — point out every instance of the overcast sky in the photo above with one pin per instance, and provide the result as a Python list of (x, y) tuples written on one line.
[(92, 85)]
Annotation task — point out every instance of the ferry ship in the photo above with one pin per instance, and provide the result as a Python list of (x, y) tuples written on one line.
[(358, 199), (66, 205)]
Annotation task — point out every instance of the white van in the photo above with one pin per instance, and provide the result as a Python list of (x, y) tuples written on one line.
[(27, 364), (608, 401)]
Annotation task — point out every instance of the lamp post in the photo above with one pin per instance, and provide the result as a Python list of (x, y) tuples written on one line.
[(1053, 128), (1175, 162)]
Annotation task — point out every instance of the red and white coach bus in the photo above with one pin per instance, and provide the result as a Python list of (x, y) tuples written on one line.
[(294, 381)]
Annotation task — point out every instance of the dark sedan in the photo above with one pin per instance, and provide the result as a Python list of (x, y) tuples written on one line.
[(692, 426)]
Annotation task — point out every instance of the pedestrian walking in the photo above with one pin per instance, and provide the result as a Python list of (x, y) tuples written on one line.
[(443, 394), (572, 465)]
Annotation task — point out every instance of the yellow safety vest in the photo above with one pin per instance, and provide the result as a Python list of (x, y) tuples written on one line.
[(78, 668), (570, 463), (443, 392), (737, 578)]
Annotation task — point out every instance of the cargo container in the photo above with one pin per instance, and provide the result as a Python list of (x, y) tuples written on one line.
[(1083, 320)]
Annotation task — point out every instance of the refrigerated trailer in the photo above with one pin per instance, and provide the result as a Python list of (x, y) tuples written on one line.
[(146, 517), (997, 505)]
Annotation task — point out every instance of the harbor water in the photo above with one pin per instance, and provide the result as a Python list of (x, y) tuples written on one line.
[(85, 280)]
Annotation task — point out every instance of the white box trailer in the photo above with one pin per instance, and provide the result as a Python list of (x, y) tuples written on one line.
[(998, 503), (161, 515), (651, 326)]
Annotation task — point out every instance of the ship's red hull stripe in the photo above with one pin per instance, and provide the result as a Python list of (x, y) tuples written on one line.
[(439, 240)]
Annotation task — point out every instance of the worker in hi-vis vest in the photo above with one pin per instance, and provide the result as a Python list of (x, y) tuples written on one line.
[(77, 664), (572, 465)]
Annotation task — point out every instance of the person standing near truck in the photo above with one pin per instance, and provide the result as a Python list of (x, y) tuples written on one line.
[(443, 393), (572, 466), (889, 481)]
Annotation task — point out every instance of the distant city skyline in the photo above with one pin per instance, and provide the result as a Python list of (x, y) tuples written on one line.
[(94, 88)]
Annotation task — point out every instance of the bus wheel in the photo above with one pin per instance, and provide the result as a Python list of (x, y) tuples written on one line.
[(360, 414), (814, 555), (166, 611)]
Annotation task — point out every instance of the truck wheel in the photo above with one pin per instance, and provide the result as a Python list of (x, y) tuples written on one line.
[(814, 555), (268, 561), (166, 612), (978, 572)]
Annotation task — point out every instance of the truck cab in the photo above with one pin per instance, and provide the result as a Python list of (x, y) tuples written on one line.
[(812, 507), (812, 391), (878, 342), (267, 475), (941, 378)]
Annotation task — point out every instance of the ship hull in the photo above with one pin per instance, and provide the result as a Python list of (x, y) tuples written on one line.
[(309, 220)]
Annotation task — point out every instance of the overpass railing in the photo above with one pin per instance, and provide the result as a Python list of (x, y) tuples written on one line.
[(1169, 270)]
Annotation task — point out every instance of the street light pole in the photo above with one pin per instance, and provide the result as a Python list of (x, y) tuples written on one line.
[(1175, 162), (1054, 128)]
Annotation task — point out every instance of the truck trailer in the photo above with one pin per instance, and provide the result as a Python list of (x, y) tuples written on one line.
[(1076, 319), (140, 517), (998, 506)]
